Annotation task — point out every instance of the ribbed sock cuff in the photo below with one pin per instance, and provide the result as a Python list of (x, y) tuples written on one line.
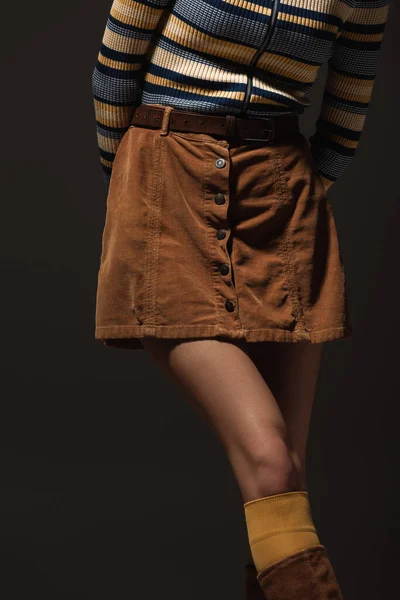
[(279, 525)]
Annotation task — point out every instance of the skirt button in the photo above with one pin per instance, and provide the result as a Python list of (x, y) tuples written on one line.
[(229, 305), (220, 163)]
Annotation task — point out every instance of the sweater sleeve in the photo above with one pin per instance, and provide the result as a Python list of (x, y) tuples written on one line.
[(348, 89), (116, 77)]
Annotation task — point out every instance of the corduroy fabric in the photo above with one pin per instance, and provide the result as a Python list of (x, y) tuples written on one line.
[(194, 246), (196, 56)]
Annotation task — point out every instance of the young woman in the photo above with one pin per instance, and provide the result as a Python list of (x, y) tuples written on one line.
[(219, 240)]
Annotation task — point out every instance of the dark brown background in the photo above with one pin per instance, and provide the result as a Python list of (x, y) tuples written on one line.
[(111, 487)]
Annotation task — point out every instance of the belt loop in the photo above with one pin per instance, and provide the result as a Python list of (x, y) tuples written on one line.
[(230, 124), (165, 121)]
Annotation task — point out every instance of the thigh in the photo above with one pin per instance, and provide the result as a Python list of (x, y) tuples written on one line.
[(225, 388), (291, 370)]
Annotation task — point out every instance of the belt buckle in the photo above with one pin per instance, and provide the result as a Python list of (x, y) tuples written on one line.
[(271, 131)]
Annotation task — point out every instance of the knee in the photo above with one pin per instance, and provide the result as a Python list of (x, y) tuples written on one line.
[(272, 467)]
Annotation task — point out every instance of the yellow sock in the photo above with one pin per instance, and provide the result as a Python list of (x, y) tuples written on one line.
[(278, 526)]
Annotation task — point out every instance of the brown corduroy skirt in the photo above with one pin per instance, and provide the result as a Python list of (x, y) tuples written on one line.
[(209, 237)]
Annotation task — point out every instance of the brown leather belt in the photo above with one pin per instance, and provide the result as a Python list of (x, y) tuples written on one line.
[(247, 129)]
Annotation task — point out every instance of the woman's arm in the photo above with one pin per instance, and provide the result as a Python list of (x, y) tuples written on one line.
[(348, 89), (116, 76)]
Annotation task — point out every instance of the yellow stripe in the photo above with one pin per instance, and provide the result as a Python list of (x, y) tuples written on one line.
[(116, 64), (374, 16), (349, 88), (179, 32), (191, 89), (288, 67), (308, 22), (267, 101), (294, 95), (123, 44), (347, 120), (185, 66), (112, 116), (362, 37), (255, 8), (136, 14)]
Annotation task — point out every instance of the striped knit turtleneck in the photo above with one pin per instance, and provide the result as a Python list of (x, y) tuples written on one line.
[(195, 55)]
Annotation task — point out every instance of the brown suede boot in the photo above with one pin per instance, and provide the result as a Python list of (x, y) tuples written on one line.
[(304, 575)]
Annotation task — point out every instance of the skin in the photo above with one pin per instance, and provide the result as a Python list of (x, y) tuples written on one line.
[(256, 397)]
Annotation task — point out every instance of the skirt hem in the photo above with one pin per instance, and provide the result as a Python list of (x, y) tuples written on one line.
[(129, 336)]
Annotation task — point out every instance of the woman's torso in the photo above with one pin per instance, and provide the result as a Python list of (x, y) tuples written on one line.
[(259, 56)]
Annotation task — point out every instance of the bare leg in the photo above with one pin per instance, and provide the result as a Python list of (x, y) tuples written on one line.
[(225, 387), (258, 400), (291, 370)]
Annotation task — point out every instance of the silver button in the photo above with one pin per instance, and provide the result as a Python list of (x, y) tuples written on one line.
[(220, 162)]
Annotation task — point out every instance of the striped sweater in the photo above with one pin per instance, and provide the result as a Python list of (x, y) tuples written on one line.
[(254, 57)]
